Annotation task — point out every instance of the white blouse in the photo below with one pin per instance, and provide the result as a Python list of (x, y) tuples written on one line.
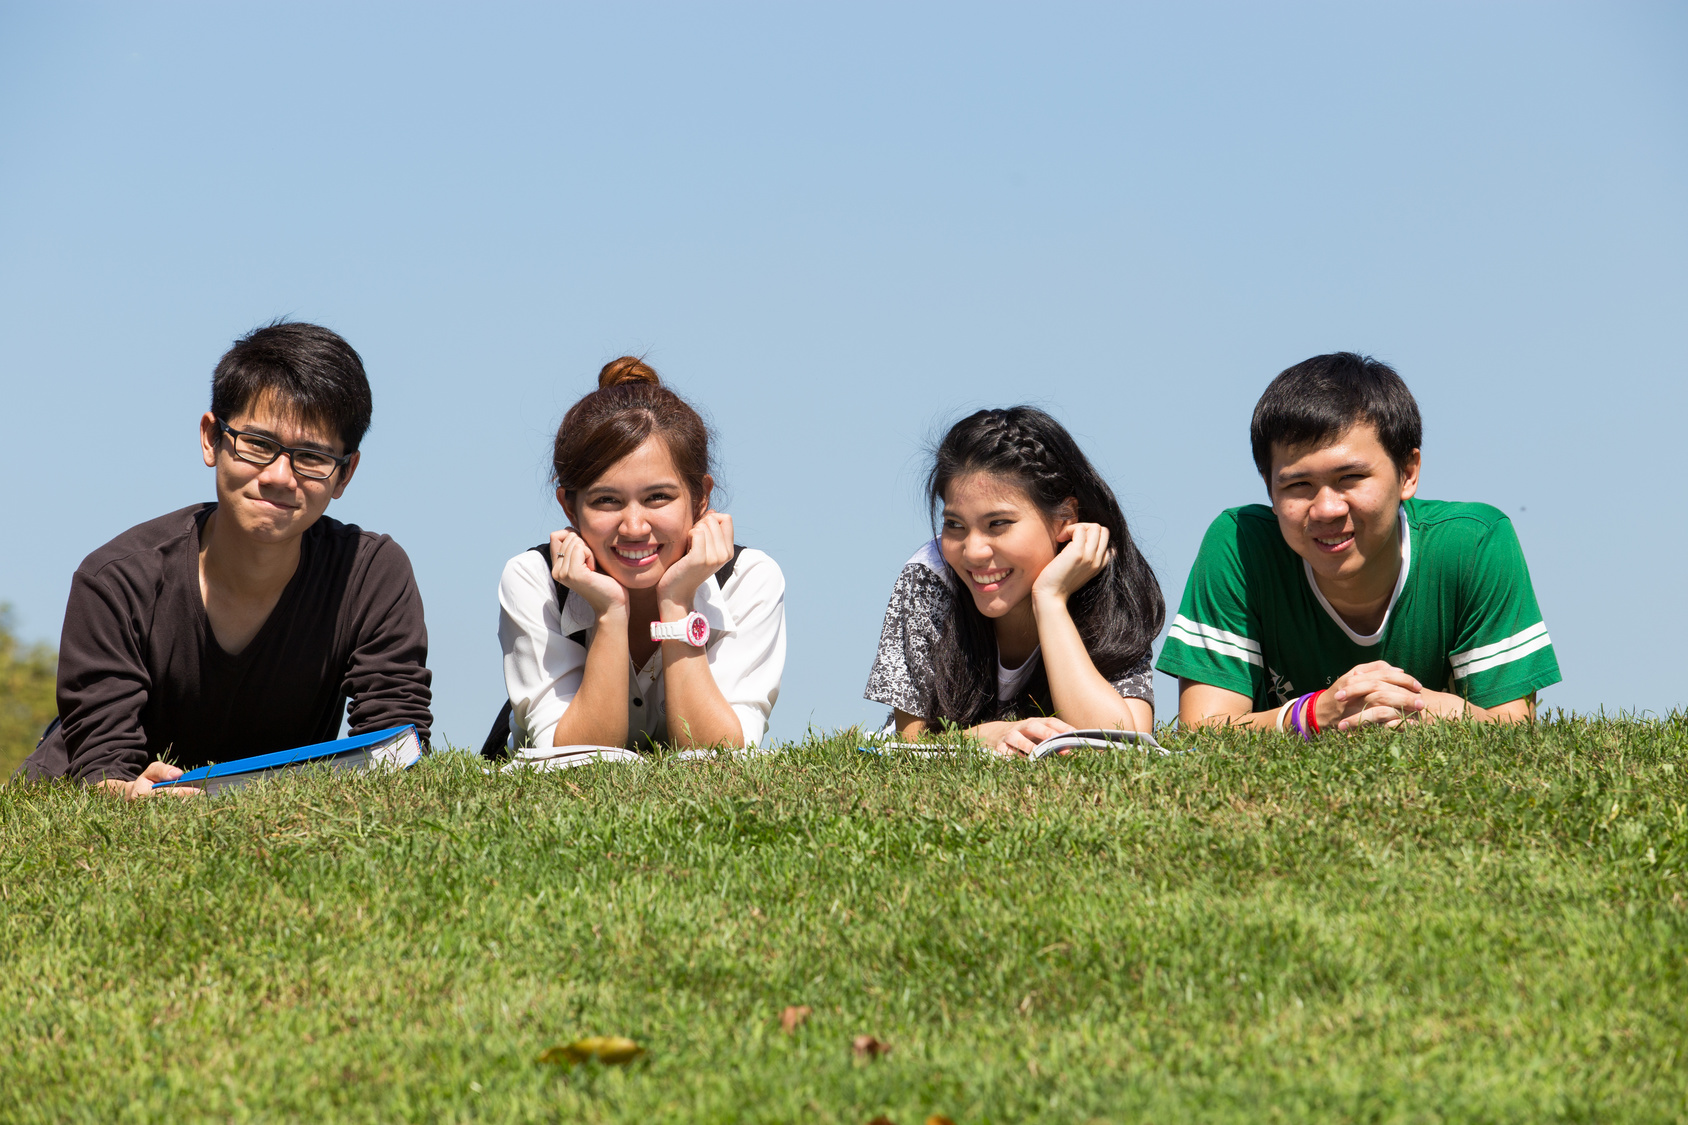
[(543, 668)]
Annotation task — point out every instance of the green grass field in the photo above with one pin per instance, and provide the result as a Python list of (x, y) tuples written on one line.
[(1449, 924)]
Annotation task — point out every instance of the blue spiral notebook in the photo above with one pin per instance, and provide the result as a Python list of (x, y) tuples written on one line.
[(397, 747)]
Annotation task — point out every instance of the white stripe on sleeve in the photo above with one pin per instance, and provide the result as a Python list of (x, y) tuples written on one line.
[(1515, 647), (1197, 635), (1501, 658)]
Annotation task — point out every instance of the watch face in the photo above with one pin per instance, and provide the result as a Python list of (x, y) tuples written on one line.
[(697, 630)]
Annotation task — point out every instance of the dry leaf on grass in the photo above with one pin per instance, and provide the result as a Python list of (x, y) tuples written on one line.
[(795, 1017), (882, 1120), (867, 1047), (939, 1119), (613, 1050)]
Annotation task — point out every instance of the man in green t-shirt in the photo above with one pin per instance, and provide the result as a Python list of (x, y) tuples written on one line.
[(1350, 601)]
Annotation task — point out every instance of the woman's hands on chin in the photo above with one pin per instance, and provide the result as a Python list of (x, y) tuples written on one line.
[(1086, 553), (572, 564), (710, 547)]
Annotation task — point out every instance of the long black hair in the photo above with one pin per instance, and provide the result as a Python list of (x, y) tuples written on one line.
[(1118, 613)]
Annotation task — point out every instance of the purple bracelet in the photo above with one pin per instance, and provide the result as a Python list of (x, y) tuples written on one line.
[(1298, 717)]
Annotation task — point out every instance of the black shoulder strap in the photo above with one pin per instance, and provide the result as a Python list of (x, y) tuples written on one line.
[(562, 591), (726, 572), (496, 747)]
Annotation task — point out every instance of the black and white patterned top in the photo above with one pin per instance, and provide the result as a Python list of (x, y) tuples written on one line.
[(920, 605)]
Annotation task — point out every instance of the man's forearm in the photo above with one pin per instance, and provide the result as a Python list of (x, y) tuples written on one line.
[(1203, 705), (1252, 720), (1446, 705)]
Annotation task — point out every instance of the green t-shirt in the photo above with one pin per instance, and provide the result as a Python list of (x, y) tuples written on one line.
[(1463, 617)]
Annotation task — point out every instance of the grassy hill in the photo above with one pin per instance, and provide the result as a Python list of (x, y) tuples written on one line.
[(1445, 924)]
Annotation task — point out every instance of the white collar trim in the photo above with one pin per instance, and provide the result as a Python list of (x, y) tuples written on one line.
[(931, 557), (1400, 584)]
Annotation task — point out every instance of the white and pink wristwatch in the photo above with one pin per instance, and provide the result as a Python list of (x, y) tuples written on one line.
[(692, 628)]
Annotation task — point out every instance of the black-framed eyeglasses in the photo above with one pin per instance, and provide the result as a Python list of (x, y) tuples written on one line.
[(256, 449)]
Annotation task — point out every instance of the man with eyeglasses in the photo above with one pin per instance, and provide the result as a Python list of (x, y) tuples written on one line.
[(245, 625)]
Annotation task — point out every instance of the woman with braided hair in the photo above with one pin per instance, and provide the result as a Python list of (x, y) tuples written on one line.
[(1032, 612)]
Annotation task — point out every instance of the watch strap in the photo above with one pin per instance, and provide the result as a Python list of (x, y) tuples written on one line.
[(692, 628)]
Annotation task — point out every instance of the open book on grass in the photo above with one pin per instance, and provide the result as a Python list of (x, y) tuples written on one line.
[(1097, 739), (398, 747), (567, 757)]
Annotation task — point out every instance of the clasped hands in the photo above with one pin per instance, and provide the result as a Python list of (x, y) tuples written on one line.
[(1381, 694)]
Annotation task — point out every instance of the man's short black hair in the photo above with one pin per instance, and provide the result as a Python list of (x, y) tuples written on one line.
[(311, 371), (1318, 399)]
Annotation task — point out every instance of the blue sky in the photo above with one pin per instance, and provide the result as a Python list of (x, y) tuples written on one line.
[(837, 229)]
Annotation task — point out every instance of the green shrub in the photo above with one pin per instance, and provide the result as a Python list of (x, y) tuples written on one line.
[(26, 694)]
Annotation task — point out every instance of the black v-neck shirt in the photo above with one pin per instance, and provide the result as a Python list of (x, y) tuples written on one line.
[(141, 675)]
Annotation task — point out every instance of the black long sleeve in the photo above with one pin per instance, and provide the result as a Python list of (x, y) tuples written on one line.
[(141, 676)]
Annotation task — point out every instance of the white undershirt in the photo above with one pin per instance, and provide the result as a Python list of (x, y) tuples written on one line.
[(1010, 682), (1400, 584)]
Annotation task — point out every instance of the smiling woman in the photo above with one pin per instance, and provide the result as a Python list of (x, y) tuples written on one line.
[(641, 621), (1033, 611)]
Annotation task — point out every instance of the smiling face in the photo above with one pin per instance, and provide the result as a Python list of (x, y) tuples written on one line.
[(997, 540), (1337, 505), (637, 518), (271, 503)]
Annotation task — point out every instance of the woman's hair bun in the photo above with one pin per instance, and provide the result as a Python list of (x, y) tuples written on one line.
[(627, 369)]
